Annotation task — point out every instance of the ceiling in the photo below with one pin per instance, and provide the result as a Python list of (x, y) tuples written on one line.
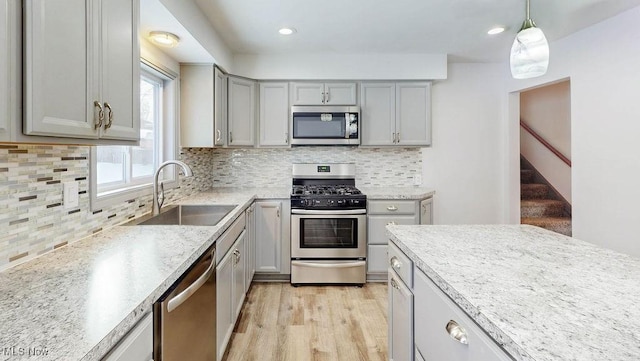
[(455, 27)]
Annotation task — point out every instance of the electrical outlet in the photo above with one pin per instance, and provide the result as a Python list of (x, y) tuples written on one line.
[(417, 179), (70, 194)]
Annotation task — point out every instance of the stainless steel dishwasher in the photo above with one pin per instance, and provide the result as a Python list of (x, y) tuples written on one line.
[(185, 316)]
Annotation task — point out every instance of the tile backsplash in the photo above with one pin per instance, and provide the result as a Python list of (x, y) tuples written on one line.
[(33, 219), (261, 167)]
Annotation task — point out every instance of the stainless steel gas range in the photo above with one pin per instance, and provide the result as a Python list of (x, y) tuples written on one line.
[(328, 225)]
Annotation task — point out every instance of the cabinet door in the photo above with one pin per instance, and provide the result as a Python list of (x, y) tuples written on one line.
[(61, 47), (120, 69), (136, 345), (224, 302), (340, 94), (268, 236), (239, 276), (220, 89), (431, 319), (307, 94), (196, 106), (242, 114), (274, 114), (377, 258), (378, 113), (413, 113), (250, 248), (426, 209), (401, 320), (7, 56)]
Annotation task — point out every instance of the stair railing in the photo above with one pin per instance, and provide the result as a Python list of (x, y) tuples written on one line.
[(547, 145)]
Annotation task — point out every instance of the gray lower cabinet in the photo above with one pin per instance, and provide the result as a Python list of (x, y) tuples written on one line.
[(272, 237), (401, 301), (438, 320), (426, 211), (136, 345), (230, 281), (381, 213)]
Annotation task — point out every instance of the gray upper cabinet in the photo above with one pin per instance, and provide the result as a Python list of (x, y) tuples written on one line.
[(314, 93), (378, 113), (274, 114), (8, 52), (396, 113), (241, 111), (82, 69), (203, 95)]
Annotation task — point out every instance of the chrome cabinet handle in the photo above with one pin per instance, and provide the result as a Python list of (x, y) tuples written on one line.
[(392, 208), (184, 295), (395, 263), (278, 212), (230, 137), (322, 97), (397, 137), (237, 254), (392, 223), (286, 138), (219, 135), (393, 136), (100, 114), (457, 332), (108, 124), (326, 97), (394, 284)]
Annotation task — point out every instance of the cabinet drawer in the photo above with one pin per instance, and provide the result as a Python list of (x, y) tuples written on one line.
[(376, 233), (391, 207), (401, 264), (433, 312), (228, 237)]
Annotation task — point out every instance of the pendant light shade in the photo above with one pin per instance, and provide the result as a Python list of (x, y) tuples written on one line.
[(530, 51)]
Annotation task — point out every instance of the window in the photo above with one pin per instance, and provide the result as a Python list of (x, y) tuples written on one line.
[(123, 172)]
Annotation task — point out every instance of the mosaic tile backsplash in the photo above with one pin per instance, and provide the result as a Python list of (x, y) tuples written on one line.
[(261, 167), (32, 218)]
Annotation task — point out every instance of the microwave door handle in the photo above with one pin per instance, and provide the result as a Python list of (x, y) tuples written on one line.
[(347, 125)]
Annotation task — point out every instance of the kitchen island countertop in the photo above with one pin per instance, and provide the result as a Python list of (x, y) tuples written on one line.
[(543, 296)]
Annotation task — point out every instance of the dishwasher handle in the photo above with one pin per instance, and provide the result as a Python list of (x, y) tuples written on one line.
[(179, 299)]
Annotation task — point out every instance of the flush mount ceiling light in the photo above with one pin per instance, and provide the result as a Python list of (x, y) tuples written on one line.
[(164, 38), (496, 30), (530, 51), (286, 31)]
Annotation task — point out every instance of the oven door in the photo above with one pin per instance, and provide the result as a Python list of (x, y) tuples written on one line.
[(318, 234)]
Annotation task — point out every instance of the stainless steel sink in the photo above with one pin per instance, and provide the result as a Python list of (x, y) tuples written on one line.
[(187, 215)]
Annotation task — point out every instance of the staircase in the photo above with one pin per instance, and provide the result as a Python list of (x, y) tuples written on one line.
[(540, 206)]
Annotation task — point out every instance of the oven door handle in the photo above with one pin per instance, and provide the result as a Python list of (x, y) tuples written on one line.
[(328, 212), (317, 264)]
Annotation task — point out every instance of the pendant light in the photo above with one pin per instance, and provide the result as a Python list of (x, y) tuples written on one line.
[(530, 51)]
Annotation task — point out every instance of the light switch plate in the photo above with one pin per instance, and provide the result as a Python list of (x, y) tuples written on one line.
[(417, 179), (70, 194)]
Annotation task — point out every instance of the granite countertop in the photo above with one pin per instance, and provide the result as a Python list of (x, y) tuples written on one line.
[(542, 295), (76, 302), (414, 193)]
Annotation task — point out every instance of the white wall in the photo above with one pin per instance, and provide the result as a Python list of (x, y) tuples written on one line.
[(465, 163), (602, 63), (341, 66), (547, 110)]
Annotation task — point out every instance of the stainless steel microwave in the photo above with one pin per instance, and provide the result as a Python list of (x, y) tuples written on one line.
[(325, 125)]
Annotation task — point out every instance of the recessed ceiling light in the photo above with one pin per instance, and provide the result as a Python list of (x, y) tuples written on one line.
[(287, 31), (496, 30), (164, 38)]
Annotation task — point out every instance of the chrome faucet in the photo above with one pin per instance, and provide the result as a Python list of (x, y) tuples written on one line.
[(157, 202)]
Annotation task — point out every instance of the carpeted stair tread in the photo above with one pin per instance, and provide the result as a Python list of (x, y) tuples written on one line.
[(541, 208), (560, 225), (526, 175), (534, 191)]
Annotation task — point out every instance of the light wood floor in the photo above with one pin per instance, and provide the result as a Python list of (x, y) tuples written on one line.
[(333, 323)]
